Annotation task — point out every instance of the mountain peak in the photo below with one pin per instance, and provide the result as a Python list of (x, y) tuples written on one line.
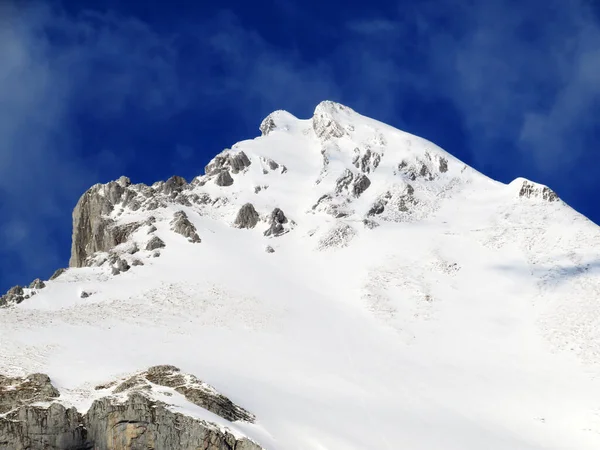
[(255, 277)]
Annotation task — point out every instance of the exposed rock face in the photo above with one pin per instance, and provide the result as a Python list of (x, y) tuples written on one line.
[(397, 202), (15, 295), (276, 221), (247, 217), (182, 225), (530, 190), (367, 162), (155, 243), (92, 230), (113, 423), (58, 273), (324, 124), (15, 392), (141, 423), (37, 428), (224, 179), (37, 284), (267, 125), (361, 184), (227, 160)]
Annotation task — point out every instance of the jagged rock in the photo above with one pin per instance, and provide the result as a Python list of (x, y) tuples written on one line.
[(182, 225), (368, 162), (224, 178), (277, 219), (156, 254), (443, 165), (15, 392), (111, 423), (425, 173), (530, 190), (225, 160), (344, 181), (361, 184), (57, 273), (38, 428), (15, 295), (324, 125), (141, 423), (174, 184), (122, 265), (37, 284), (267, 125), (377, 208), (247, 217), (155, 243), (84, 294), (137, 262), (93, 231), (269, 249)]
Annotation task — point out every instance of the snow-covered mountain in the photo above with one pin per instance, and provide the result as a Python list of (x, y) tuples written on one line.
[(349, 285)]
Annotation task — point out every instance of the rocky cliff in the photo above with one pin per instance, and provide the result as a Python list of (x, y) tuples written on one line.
[(127, 417)]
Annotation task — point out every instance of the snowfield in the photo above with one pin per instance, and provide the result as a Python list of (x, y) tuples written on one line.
[(465, 315)]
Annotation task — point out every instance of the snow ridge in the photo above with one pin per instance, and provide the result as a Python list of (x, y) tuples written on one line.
[(351, 284)]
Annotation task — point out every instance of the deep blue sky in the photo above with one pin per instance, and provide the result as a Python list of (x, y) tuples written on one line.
[(91, 90)]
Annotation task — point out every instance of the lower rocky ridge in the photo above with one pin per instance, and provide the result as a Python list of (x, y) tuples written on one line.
[(129, 417)]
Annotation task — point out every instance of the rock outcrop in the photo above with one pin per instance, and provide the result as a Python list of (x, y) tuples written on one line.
[(182, 225), (532, 190), (276, 221), (247, 217), (131, 420)]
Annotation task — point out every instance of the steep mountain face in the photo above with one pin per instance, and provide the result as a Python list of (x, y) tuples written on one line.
[(352, 285)]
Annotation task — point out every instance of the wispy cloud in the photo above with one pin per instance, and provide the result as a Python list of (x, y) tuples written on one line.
[(54, 67)]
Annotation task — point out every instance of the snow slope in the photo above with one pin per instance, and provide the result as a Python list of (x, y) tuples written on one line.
[(433, 309)]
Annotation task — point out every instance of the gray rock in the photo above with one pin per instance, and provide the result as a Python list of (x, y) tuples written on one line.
[(227, 160), (57, 273), (269, 249), (529, 190), (443, 165), (37, 284), (14, 295), (182, 225), (122, 265), (174, 184), (15, 392), (93, 231), (344, 181), (267, 125), (155, 243), (137, 262), (136, 423), (141, 423), (247, 217), (360, 185), (277, 219), (224, 178), (38, 428), (84, 294)]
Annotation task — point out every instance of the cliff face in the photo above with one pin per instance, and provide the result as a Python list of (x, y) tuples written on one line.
[(127, 418)]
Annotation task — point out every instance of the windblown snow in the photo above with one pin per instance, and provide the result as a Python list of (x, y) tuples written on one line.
[(352, 285)]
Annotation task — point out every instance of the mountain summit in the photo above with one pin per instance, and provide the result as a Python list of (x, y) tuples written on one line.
[(334, 283)]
